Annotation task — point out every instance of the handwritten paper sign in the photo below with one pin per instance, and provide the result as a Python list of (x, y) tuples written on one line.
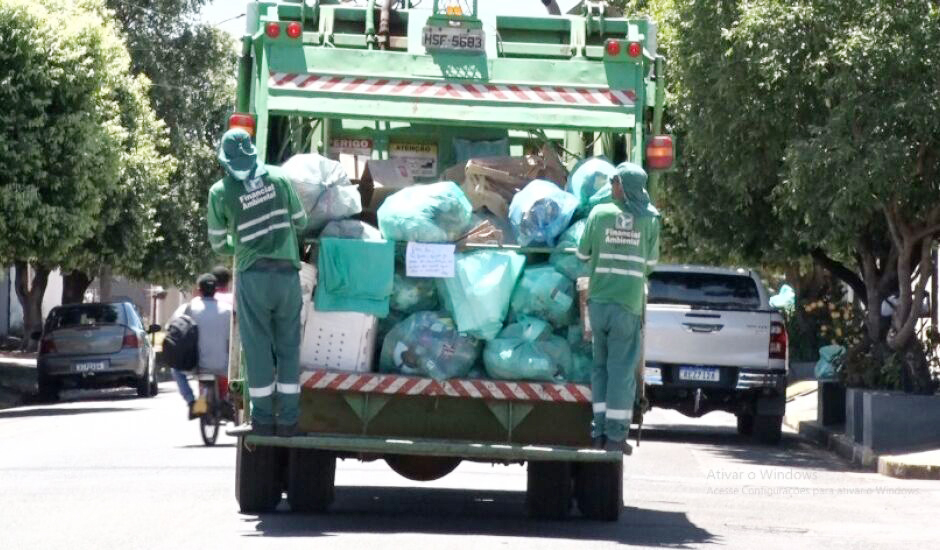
[(429, 260)]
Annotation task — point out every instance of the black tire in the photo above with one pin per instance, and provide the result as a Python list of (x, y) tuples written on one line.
[(768, 428), (147, 383), (209, 425), (258, 483), (154, 379), (47, 391), (311, 478), (599, 490), (549, 489), (745, 424)]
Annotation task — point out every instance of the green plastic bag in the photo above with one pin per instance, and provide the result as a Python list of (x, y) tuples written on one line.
[(830, 362), (527, 350), (433, 213), (478, 294), (567, 263), (410, 294), (546, 294), (427, 344)]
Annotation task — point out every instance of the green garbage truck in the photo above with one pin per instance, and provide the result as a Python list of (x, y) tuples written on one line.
[(418, 85)]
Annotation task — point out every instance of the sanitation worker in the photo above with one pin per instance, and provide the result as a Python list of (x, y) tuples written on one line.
[(621, 242), (254, 214)]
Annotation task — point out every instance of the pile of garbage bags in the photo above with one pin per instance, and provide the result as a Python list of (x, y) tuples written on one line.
[(428, 344)]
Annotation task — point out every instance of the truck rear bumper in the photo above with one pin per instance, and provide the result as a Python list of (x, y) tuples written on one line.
[(356, 445)]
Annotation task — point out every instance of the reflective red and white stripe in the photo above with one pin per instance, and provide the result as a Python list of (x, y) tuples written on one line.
[(506, 93), (393, 384)]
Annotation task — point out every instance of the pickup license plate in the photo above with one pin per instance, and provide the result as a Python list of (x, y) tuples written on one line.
[(91, 366), (454, 39), (699, 374)]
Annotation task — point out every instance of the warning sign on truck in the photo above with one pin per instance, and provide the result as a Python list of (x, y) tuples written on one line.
[(421, 158), (350, 146)]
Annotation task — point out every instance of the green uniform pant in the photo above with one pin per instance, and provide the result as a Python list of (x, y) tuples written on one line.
[(618, 348), (268, 307)]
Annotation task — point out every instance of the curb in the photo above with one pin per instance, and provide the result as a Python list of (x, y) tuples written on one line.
[(891, 466)]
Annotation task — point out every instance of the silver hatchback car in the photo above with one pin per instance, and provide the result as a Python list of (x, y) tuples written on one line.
[(95, 346)]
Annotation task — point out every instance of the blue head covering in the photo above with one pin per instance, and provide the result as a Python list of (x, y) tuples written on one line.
[(632, 180), (237, 154)]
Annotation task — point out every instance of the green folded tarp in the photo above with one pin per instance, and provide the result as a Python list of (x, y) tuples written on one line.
[(355, 275)]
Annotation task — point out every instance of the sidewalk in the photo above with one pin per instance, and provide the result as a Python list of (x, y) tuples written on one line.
[(17, 378), (801, 416)]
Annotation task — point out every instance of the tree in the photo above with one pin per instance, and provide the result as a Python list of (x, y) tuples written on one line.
[(72, 139)]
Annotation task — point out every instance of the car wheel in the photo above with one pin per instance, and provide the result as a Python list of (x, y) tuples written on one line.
[(154, 381), (745, 424), (48, 390), (768, 428), (145, 383)]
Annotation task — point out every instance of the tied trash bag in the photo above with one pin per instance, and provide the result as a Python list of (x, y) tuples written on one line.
[(546, 294), (433, 213), (540, 212), (479, 292), (410, 294), (830, 362), (590, 182), (351, 229), (428, 344), (567, 263), (527, 350), (323, 188), (785, 299)]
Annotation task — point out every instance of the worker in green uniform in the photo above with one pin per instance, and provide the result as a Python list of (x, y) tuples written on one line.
[(621, 242), (255, 214)]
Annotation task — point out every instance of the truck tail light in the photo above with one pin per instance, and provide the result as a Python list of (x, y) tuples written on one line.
[(613, 48), (778, 340), (130, 340), (47, 346), (273, 30), (660, 153), (635, 49), (243, 121), (294, 30)]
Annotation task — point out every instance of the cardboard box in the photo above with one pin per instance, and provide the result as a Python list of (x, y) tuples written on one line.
[(382, 178)]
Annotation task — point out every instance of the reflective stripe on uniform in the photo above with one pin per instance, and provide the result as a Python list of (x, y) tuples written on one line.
[(288, 388), (600, 407), (580, 256), (298, 215), (623, 258), (218, 232), (615, 271), (652, 262), (260, 219), (264, 391), (614, 414), (264, 231)]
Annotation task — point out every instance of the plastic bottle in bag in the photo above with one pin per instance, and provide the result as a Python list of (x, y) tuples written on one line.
[(428, 344), (541, 212)]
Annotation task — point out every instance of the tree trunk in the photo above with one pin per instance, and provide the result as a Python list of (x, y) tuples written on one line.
[(104, 284), (74, 285), (30, 294)]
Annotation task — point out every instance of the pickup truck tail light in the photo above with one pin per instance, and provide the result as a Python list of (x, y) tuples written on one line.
[(130, 340), (47, 346), (778, 340)]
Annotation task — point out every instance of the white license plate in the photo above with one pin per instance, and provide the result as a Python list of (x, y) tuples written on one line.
[(699, 374), (91, 366), (454, 39)]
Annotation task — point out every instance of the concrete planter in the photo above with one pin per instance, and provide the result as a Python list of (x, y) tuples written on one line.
[(896, 421), (853, 414), (830, 407)]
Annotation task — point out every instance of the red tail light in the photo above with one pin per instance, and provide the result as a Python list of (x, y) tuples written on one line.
[(778, 340), (47, 346), (273, 30), (244, 121), (635, 49), (130, 340), (659, 153), (295, 29), (613, 48)]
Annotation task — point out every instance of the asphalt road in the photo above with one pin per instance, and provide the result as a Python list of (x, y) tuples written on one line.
[(105, 470)]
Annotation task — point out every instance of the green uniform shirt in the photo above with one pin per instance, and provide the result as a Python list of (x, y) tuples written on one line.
[(622, 250), (257, 218)]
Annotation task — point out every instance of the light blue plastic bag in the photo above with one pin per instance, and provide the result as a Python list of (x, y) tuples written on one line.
[(785, 299), (568, 263), (428, 344), (544, 293), (590, 182), (433, 213), (830, 361), (541, 212), (478, 294), (527, 350)]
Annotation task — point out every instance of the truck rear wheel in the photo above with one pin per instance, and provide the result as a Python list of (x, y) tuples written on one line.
[(422, 468), (311, 478), (258, 483), (599, 490), (768, 428), (745, 424), (548, 489)]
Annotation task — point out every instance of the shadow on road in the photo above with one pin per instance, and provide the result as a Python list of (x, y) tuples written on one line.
[(792, 452), (391, 510), (60, 411)]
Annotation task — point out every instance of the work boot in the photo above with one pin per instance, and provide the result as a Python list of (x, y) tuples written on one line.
[(612, 445), (266, 430), (192, 411), (289, 430), (599, 442)]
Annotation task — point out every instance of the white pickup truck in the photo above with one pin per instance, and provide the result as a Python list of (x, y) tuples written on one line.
[(714, 344)]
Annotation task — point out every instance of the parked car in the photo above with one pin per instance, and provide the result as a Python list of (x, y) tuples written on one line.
[(96, 346), (714, 343)]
